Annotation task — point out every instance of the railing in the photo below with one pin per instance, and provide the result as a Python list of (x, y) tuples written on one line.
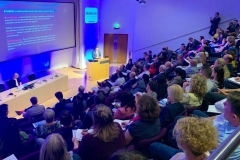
[(181, 36), (226, 148)]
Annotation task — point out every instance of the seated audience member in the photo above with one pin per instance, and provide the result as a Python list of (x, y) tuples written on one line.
[(197, 91), (127, 155), (195, 147), (104, 87), (145, 61), (15, 82), (230, 85), (79, 107), (34, 110), (152, 89), (150, 55), (163, 55), (88, 121), (169, 68), (127, 106), (120, 80), (132, 80), (221, 62), (218, 76), (145, 71), (228, 61), (178, 61), (60, 106), (193, 44), (216, 36), (129, 64), (148, 124), (152, 69), (50, 125), (161, 87), (54, 148), (192, 68), (81, 91), (181, 50), (141, 84), (10, 142), (231, 28), (236, 24), (161, 72), (230, 45), (180, 76), (106, 137), (206, 72), (175, 108)]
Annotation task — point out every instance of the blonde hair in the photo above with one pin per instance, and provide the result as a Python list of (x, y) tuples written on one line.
[(198, 86), (175, 92), (197, 135), (221, 63), (54, 148), (103, 126)]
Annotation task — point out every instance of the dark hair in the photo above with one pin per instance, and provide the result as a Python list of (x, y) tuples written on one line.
[(130, 59), (153, 86), (201, 37), (220, 76), (207, 71), (120, 74), (59, 95), (100, 98), (234, 100), (235, 20), (66, 118), (145, 53), (127, 155), (145, 78), (217, 13), (150, 51), (3, 110), (104, 84), (127, 99), (180, 72), (190, 38), (34, 100)]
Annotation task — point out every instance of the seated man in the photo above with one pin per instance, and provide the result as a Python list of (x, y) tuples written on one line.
[(228, 61), (169, 68), (192, 68), (34, 110), (193, 44), (60, 106), (145, 71)]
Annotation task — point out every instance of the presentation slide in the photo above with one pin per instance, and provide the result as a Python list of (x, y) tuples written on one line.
[(28, 28)]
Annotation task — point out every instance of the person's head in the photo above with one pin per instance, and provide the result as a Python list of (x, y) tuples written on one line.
[(232, 108), (59, 95), (235, 21), (230, 23), (175, 93), (34, 100), (162, 69), (100, 98), (180, 72), (168, 64), (134, 69), (132, 75), (152, 86), (130, 60), (148, 108), (146, 67), (15, 76), (127, 155), (3, 110), (149, 52), (218, 74), (103, 126), (198, 86), (96, 49), (218, 30), (120, 74), (66, 118), (122, 67), (145, 78), (49, 115), (145, 54), (190, 40), (127, 100), (193, 62), (220, 62), (217, 14), (196, 135), (81, 89), (183, 47), (206, 72), (179, 57), (201, 38), (228, 58), (231, 40), (54, 148), (232, 53)]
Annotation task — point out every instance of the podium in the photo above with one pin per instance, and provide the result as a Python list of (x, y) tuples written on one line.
[(98, 70)]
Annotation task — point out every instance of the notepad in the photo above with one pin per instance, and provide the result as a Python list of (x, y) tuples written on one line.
[(233, 80), (213, 109), (77, 134), (120, 122), (38, 123), (11, 157)]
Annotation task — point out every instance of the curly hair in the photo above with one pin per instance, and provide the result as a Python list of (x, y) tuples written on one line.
[(197, 135), (198, 86), (222, 63), (148, 108)]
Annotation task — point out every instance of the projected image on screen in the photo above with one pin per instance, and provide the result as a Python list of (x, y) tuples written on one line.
[(28, 28)]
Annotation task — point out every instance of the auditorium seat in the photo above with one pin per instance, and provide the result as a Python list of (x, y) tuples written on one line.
[(31, 156), (31, 77), (2, 88)]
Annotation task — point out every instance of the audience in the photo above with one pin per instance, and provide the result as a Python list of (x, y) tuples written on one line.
[(129, 64), (60, 106), (145, 71), (192, 68), (220, 62), (218, 76), (141, 84), (151, 89), (127, 155), (180, 76), (206, 72)]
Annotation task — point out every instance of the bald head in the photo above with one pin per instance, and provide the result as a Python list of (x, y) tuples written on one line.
[(162, 68), (228, 58), (193, 62), (168, 64), (132, 75)]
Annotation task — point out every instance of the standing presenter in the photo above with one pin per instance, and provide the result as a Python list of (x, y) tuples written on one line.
[(96, 53)]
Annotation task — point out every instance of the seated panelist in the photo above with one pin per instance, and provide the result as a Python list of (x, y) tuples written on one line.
[(15, 82)]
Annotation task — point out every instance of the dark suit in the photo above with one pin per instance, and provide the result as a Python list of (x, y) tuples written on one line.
[(128, 84), (12, 83), (60, 106), (96, 54), (214, 25)]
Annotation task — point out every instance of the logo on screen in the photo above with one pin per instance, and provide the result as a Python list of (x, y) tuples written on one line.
[(91, 15)]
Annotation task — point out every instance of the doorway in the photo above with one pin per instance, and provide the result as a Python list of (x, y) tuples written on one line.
[(115, 47)]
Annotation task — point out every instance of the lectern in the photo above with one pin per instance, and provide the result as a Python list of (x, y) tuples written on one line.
[(98, 69)]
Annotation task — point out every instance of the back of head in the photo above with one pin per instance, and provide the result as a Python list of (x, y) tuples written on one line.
[(198, 86), (54, 148), (163, 67), (193, 62), (168, 64), (3, 110), (196, 135), (127, 99), (100, 98), (66, 118), (59, 95), (153, 86), (206, 71), (145, 78), (81, 89), (49, 115), (147, 67), (127, 155), (34, 100), (103, 126), (234, 100), (220, 76), (180, 72), (222, 63), (147, 108), (175, 93)]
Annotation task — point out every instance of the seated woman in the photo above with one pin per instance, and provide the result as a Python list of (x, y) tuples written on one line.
[(218, 76), (197, 91), (195, 147), (106, 137), (127, 107), (54, 148), (220, 62), (148, 124), (50, 125), (175, 108), (180, 76)]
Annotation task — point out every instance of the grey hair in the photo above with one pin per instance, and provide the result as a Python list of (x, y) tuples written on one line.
[(49, 115)]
